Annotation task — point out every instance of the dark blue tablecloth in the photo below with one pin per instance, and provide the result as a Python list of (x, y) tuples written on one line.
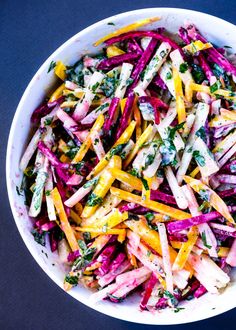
[(30, 30)]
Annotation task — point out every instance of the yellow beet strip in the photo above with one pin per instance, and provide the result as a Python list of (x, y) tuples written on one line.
[(214, 199), (104, 183), (152, 205), (65, 225), (124, 138), (88, 141), (127, 28)]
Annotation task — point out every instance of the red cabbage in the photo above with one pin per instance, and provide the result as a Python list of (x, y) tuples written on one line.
[(144, 59), (161, 196), (124, 121), (159, 82), (53, 241), (72, 256), (226, 178), (111, 115), (194, 221), (184, 35), (106, 258), (178, 237), (58, 101), (40, 112), (162, 303), (137, 34), (200, 291), (48, 225), (112, 62), (156, 104), (148, 291), (134, 47), (227, 193), (51, 156), (231, 167)]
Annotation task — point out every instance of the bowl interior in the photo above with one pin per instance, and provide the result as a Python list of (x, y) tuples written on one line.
[(217, 31)]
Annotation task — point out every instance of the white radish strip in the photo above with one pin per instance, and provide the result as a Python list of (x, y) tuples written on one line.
[(68, 122), (132, 274), (215, 270), (126, 70), (209, 285), (167, 120), (177, 60), (97, 146), (151, 170), (32, 146), (166, 257), (215, 107), (100, 295), (126, 287), (209, 165), (231, 258), (227, 156), (83, 106), (176, 189), (50, 116), (178, 142), (108, 278), (209, 274), (221, 149), (92, 116), (70, 85), (87, 76), (36, 203), (134, 239), (222, 227), (154, 65), (127, 149), (82, 135), (201, 116), (167, 76), (189, 123), (204, 227), (145, 42), (138, 160), (49, 202), (139, 91), (197, 250), (80, 193)]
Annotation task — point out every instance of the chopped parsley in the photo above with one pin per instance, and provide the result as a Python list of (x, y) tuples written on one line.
[(199, 158), (201, 133), (51, 66), (72, 279), (205, 195), (183, 67), (197, 73), (149, 216), (117, 149), (85, 258), (171, 298), (19, 191), (233, 168), (145, 184), (215, 86), (39, 237), (111, 23), (94, 87), (168, 75), (177, 309), (94, 200), (90, 183), (203, 236)]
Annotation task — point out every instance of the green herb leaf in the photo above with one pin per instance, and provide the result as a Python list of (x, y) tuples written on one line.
[(197, 73), (215, 86), (149, 216), (177, 309), (201, 133), (173, 301), (110, 23), (183, 67), (90, 183), (39, 237), (19, 191), (203, 236), (173, 130), (145, 184), (73, 280), (205, 195), (51, 66), (168, 75), (117, 149), (93, 200), (199, 158)]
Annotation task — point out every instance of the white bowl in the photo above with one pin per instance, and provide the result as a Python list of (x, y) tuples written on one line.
[(217, 31)]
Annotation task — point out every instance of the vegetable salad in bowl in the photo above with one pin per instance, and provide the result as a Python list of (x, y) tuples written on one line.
[(130, 171)]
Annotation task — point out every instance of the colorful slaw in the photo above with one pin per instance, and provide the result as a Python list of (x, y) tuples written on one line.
[(130, 171)]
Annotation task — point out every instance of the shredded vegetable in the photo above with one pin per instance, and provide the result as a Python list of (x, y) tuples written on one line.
[(131, 169)]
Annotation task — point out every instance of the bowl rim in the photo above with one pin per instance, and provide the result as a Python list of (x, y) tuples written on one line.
[(37, 258)]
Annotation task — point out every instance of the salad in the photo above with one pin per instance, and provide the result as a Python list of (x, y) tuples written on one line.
[(130, 172)]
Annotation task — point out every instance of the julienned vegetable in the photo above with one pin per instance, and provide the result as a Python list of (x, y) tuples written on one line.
[(131, 169)]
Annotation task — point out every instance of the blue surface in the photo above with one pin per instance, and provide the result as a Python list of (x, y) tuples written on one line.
[(29, 32)]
